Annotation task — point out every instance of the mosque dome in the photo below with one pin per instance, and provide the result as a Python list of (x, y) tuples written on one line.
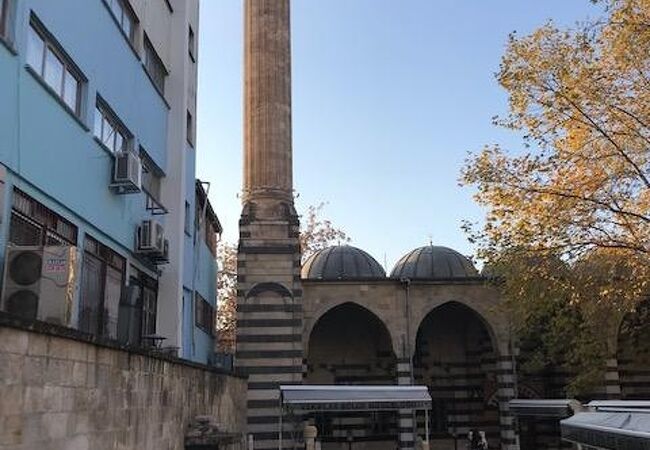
[(434, 263), (341, 262)]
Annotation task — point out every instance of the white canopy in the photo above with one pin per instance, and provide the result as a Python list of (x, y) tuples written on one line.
[(551, 408), (354, 398), (609, 430)]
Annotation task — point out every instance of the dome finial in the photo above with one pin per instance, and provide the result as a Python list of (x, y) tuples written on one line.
[(430, 240)]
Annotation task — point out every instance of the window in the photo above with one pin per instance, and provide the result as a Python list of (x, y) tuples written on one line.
[(188, 221), (32, 223), (154, 66), (206, 222), (204, 314), (124, 16), (189, 125), (137, 317), (5, 6), (109, 130), (53, 66), (102, 281), (151, 177), (191, 44)]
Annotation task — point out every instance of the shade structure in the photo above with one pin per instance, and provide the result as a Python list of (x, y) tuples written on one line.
[(355, 398), (303, 398), (551, 408), (608, 430)]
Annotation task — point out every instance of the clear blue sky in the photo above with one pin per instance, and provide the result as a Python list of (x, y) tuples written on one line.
[(388, 98)]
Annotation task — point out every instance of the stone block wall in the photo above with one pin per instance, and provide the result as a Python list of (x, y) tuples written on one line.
[(61, 392)]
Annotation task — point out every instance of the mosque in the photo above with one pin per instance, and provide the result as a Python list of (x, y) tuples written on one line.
[(340, 320)]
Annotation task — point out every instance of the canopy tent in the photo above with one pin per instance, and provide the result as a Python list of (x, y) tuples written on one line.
[(610, 424), (608, 430), (306, 398), (553, 408)]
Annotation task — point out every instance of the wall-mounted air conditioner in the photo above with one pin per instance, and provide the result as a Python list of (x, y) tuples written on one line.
[(151, 237), (39, 282), (127, 173), (151, 242)]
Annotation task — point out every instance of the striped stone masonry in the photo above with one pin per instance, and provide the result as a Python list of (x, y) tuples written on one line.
[(405, 417), (269, 326), (506, 391), (612, 379)]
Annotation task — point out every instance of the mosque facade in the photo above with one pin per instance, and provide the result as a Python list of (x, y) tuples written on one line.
[(339, 319)]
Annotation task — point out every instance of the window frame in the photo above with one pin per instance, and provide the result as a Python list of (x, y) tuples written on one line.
[(191, 43), (50, 46), (4, 15), (203, 312), (107, 115), (187, 222), (137, 311), (189, 126), (108, 259), (49, 224), (126, 11), (151, 170), (152, 62)]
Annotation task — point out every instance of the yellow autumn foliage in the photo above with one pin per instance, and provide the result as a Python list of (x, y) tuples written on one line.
[(579, 190)]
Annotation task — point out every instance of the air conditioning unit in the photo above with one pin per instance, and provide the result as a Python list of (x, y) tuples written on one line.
[(151, 238), (127, 173), (39, 282)]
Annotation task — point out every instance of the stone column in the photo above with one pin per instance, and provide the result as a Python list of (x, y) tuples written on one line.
[(269, 292), (267, 101), (506, 392), (612, 378), (405, 417)]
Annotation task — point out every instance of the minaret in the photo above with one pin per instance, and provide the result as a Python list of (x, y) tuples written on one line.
[(269, 296)]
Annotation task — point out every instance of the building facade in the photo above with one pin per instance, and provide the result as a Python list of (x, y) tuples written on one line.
[(97, 154)]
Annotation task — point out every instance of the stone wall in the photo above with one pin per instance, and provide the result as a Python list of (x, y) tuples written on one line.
[(67, 392)]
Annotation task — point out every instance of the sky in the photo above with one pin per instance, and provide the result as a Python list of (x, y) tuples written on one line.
[(389, 96)]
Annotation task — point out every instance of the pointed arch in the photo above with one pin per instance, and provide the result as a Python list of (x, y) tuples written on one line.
[(462, 306)]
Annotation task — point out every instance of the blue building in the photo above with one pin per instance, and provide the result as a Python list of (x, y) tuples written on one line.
[(103, 226)]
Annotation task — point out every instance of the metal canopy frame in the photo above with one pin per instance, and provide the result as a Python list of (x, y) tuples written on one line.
[(307, 398)]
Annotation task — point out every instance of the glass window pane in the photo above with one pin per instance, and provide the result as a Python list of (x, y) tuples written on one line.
[(53, 71), (117, 9), (119, 142), (112, 295), (70, 92), (99, 118), (126, 25), (108, 137), (35, 48)]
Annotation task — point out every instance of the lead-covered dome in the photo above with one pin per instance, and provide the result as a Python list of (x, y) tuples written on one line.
[(434, 263), (341, 262)]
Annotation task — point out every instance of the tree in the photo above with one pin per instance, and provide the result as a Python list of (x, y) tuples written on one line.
[(316, 233), (578, 195), (227, 297)]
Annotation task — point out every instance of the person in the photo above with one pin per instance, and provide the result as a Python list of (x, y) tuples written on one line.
[(476, 440)]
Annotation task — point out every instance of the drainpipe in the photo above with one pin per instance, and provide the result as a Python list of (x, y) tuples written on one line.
[(406, 282)]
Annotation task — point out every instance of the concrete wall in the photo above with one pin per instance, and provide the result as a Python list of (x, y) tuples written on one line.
[(62, 393)]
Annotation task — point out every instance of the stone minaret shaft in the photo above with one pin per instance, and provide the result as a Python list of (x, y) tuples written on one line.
[(267, 103), (269, 292)]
